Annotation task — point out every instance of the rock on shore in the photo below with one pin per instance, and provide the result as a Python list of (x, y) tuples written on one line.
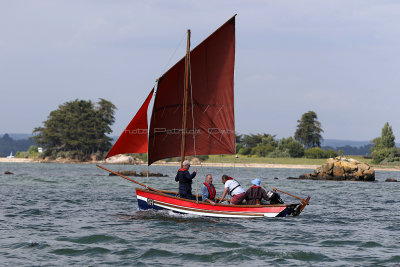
[(123, 159), (341, 169)]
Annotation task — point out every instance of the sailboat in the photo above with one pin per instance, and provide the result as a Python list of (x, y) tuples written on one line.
[(193, 114)]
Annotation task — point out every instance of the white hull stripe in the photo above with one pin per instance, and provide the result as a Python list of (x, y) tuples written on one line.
[(201, 212)]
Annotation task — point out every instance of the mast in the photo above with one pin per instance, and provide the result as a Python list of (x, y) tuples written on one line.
[(184, 119)]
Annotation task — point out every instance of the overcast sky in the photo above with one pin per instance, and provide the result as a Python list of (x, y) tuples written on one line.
[(338, 58)]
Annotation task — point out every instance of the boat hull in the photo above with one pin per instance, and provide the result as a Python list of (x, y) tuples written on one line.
[(148, 199)]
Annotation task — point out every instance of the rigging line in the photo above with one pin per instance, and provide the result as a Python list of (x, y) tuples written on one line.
[(249, 169), (234, 164), (173, 54)]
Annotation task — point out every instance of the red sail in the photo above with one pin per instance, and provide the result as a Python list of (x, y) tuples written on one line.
[(212, 73), (134, 138)]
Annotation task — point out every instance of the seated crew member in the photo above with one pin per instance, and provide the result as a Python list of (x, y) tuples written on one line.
[(208, 192), (255, 193), (234, 189), (185, 180)]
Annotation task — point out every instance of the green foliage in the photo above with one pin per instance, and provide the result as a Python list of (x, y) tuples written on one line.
[(203, 157), (255, 144), (291, 146), (384, 154), (238, 138), (295, 150), (387, 137), (244, 151), (33, 152), (78, 127), (263, 145), (330, 153), (32, 149), (319, 153), (262, 150), (384, 148), (238, 147), (22, 154), (314, 153), (279, 154), (254, 140), (309, 130)]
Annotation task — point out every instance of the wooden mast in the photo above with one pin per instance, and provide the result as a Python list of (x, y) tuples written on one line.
[(187, 70)]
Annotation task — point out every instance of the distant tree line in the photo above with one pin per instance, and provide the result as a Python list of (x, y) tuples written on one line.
[(305, 143), (77, 129), (351, 150), (266, 145), (8, 145)]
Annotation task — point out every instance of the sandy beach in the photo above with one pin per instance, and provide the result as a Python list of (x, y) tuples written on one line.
[(16, 160), (238, 165)]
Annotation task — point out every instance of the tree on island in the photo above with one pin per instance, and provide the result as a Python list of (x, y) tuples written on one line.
[(77, 129), (309, 130), (384, 148)]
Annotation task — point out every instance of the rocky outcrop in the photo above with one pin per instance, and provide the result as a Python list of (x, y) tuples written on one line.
[(123, 159), (141, 174), (195, 161), (391, 180), (8, 172), (341, 169)]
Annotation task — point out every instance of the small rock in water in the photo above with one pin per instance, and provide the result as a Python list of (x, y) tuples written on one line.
[(391, 180), (292, 178), (7, 172), (33, 243), (126, 173), (276, 178)]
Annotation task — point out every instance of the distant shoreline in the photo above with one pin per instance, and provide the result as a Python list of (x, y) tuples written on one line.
[(206, 164)]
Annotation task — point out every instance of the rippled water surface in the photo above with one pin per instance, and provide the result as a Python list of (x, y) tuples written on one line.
[(75, 214)]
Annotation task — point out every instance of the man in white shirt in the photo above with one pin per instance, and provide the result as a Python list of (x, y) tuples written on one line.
[(234, 189)]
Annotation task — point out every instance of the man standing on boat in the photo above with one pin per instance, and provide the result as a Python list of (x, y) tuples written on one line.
[(185, 180), (234, 189), (208, 192)]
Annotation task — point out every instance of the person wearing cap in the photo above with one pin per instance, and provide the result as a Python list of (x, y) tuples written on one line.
[(185, 180), (208, 192), (255, 193), (234, 189)]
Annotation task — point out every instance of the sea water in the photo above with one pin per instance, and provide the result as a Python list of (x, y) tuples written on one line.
[(75, 214)]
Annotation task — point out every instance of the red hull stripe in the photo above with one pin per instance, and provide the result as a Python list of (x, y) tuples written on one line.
[(206, 207)]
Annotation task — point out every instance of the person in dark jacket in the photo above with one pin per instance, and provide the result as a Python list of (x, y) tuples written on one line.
[(185, 180), (255, 193)]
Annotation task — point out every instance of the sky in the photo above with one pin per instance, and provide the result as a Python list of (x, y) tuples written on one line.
[(338, 58)]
